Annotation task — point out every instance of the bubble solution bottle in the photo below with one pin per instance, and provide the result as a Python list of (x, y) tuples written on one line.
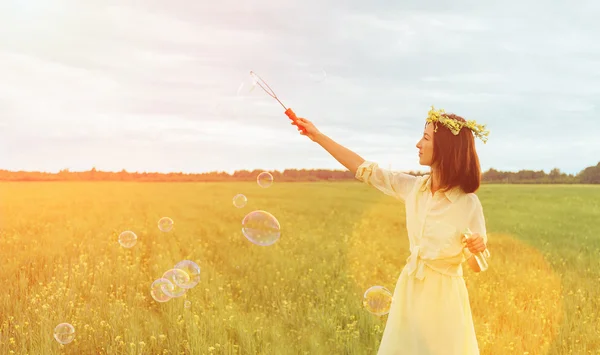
[(479, 257)]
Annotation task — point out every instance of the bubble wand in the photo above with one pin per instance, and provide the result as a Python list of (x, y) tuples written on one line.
[(257, 80)]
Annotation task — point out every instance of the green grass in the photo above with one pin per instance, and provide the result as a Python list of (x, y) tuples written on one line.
[(61, 263)]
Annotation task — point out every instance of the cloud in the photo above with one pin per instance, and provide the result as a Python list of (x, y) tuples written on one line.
[(94, 80)]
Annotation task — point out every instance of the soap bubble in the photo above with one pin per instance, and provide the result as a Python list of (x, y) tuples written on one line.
[(177, 277), (239, 200), (245, 88), (64, 333), (187, 304), (264, 179), (127, 239), (249, 87), (192, 269), (261, 228), (165, 224), (158, 287), (378, 300), (317, 74)]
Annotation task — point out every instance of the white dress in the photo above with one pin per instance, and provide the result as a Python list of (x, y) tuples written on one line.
[(430, 312)]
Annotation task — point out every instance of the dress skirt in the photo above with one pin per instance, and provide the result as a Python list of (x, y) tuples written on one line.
[(431, 316)]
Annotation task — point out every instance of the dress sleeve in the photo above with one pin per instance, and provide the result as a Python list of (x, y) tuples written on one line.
[(395, 184), (476, 224)]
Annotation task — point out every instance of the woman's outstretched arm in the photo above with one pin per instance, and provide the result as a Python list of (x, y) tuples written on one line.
[(345, 156), (394, 184)]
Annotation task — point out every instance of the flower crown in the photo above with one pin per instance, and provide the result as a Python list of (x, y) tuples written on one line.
[(455, 126)]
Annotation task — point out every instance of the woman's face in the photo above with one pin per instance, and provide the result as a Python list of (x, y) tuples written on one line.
[(425, 146)]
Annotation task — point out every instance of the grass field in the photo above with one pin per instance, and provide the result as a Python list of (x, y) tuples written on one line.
[(61, 262)]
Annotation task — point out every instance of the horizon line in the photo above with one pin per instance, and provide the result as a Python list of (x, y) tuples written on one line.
[(255, 169)]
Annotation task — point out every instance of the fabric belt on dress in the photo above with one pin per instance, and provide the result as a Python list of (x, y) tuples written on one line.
[(447, 266)]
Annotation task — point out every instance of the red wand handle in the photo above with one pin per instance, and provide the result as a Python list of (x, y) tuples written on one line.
[(294, 118)]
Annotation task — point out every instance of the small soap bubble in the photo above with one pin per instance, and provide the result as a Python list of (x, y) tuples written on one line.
[(264, 179), (261, 228), (187, 304), (190, 268), (245, 88), (249, 87), (64, 333), (157, 289), (127, 239), (165, 224), (177, 277), (378, 300), (239, 200), (317, 74)]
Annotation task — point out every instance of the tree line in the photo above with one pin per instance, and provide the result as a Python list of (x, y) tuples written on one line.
[(589, 175)]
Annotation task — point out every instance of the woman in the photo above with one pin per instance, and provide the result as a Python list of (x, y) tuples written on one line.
[(430, 313)]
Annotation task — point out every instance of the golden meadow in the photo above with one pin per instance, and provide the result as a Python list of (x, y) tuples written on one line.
[(61, 262)]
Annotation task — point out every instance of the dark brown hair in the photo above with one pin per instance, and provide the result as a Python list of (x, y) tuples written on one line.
[(456, 158)]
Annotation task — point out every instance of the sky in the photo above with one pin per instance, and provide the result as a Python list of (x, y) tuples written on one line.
[(164, 86)]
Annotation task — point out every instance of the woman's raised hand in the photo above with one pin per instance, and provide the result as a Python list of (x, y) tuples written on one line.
[(306, 128)]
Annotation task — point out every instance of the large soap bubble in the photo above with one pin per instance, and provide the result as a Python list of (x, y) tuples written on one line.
[(261, 228)]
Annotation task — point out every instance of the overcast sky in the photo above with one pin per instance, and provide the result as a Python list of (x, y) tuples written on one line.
[(160, 85)]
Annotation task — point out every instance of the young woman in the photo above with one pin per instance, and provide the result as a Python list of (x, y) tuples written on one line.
[(430, 313)]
